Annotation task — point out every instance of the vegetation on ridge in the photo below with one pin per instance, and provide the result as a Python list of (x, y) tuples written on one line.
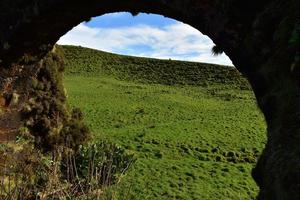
[(88, 62)]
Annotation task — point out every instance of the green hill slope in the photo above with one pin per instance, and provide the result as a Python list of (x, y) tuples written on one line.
[(88, 62), (196, 134)]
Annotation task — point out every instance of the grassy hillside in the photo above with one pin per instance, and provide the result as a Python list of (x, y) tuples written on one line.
[(193, 140), (87, 62)]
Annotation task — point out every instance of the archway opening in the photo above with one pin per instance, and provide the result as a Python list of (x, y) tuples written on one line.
[(145, 35), (261, 38), (195, 137)]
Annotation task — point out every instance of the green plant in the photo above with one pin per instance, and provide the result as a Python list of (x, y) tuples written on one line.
[(217, 50), (27, 173), (99, 164), (75, 132)]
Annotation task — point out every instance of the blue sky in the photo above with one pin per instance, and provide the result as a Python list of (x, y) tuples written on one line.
[(145, 35)]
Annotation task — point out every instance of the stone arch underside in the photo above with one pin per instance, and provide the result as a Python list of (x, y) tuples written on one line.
[(262, 38)]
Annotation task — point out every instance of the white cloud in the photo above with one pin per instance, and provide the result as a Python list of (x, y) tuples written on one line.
[(116, 14), (176, 41)]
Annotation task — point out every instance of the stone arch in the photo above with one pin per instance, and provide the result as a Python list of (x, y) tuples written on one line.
[(260, 37), (31, 31)]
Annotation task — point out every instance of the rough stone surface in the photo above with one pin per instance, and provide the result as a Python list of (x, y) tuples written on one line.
[(262, 38)]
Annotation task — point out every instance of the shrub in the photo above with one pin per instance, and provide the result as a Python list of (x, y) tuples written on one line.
[(29, 174), (98, 164)]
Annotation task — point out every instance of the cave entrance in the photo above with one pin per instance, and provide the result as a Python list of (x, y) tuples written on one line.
[(195, 135), (260, 37)]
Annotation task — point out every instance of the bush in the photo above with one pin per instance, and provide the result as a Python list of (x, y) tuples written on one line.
[(24, 172), (62, 174), (98, 164)]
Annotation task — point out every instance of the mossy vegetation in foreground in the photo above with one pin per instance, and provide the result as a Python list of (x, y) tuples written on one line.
[(46, 154), (192, 140)]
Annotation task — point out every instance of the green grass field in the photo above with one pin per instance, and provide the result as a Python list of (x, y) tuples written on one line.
[(194, 138)]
